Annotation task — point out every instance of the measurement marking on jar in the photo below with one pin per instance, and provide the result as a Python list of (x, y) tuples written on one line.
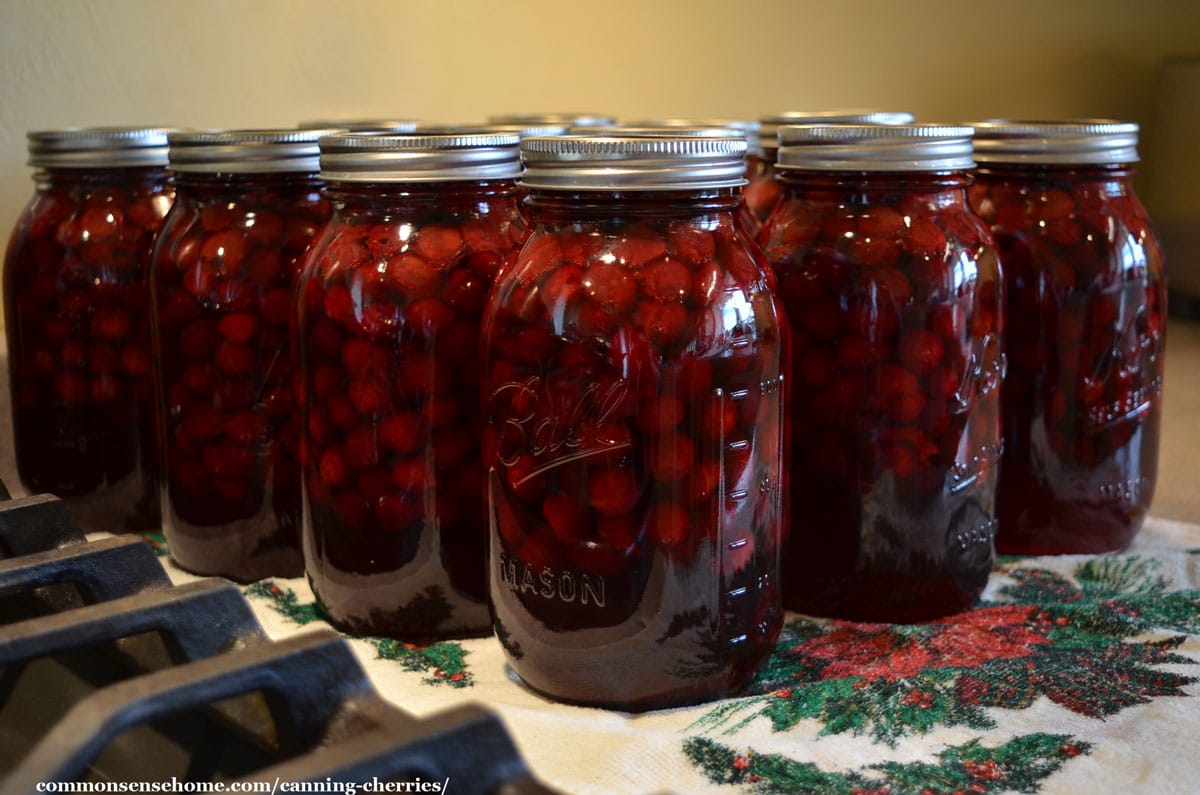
[(564, 585), (963, 474), (770, 386), (1125, 491), (1130, 407), (980, 534)]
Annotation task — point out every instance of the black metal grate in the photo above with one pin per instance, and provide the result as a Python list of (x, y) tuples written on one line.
[(109, 673)]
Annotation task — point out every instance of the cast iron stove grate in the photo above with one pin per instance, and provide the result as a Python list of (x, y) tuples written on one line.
[(110, 673)]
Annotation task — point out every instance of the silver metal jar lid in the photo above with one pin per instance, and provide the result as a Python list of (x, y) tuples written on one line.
[(872, 147), (771, 124), (442, 157), (628, 163), (246, 151), (565, 119), (748, 127), (361, 125), (1070, 141), (98, 147)]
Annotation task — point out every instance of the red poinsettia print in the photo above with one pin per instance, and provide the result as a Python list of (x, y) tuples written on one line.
[(884, 651)]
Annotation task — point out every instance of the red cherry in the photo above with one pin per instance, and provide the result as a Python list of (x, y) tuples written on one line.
[(667, 524), (438, 245), (856, 354), (612, 492), (921, 350), (662, 323), (224, 250), (611, 288), (246, 427), (816, 367), (638, 246), (671, 458), (112, 323), (278, 307), (98, 224), (690, 243), (694, 379), (263, 266), (427, 317), (395, 513), (105, 388), (823, 320), (660, 413), (411, 475), (414, 278), (135, 359), (452, 446), (236, 359), (341, 412), (102, 359), (581, 245), (198, 339), (666, 280), (361, 449), (368, 397), (486, 235), (352, 509), (569, 520), (238, 327), (465, 292)]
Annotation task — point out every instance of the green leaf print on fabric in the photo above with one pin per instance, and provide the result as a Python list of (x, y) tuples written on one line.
[(445, 662), (1079, 641), (1021, 764)]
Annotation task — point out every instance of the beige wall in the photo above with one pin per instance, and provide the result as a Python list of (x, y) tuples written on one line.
[(235, 63)]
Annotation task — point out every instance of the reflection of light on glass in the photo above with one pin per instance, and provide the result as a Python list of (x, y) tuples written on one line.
[(848, 235), (405, 232), (608, 258)]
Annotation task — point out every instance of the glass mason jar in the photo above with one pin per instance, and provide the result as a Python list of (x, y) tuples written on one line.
[(893, 290), (395, 537), (1085, 299), (633, 434), (223, 286), (78, 325), (763, 191)]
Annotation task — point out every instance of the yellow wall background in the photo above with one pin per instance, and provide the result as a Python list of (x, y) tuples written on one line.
[(239, 63)]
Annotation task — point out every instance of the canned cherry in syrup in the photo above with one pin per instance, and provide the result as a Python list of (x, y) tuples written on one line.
[(223, 286), (391, 303), (633, 429), (78, 327), (1085, 300), (892, 287)]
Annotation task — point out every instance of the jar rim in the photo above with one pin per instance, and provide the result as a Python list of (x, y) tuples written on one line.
[(98, 147), (421, 157), (645, 162), (874, 147), (769, 129), (247, 151), (1063, 141)]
